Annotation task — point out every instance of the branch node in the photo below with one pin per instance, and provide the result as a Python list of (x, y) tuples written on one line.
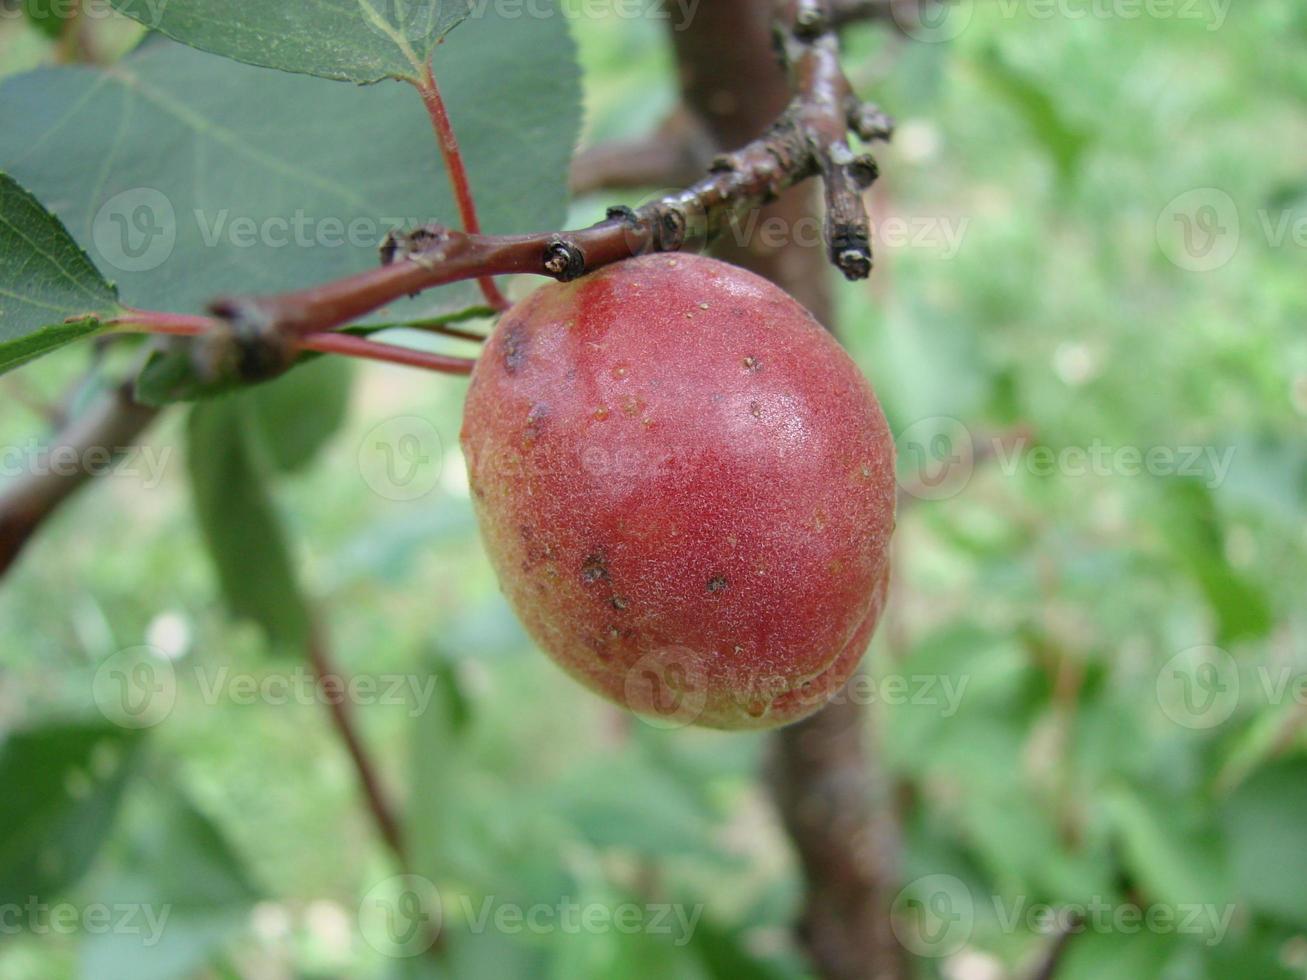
[(869, 121), (247, 345), (863, 171), (409, 244), (621, 212), (563, 260)]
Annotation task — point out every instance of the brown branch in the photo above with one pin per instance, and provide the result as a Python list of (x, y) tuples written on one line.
[(108, 427), (808, 138), (674, 155), (334, 687), (225, 346), (823, 775)]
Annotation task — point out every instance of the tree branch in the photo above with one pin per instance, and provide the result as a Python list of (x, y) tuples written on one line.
[(674, 155), (807, 139), (333, 685), (108, 428)]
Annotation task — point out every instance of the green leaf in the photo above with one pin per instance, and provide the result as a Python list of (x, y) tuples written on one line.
[(43, 15), (239, 520), (1195, 532), (212, 177), (1263, 821), (348, 40), (1179, 861), (1064, 141), (62, 784), (46, 281), (194, 892), (299, 412)]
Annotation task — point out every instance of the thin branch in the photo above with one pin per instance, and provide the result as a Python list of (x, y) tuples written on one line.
[(333, 685), (808, 139), (108, 428), (181, 324), (673, 155), (457, 171)]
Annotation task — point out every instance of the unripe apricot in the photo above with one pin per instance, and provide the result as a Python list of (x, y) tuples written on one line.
[(686, 488)]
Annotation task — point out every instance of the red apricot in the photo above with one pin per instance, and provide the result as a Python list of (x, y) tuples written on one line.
[(686, 488)]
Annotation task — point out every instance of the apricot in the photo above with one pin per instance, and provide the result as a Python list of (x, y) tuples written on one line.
[(686, 488)]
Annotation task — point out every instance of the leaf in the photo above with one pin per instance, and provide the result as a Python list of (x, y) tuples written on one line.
[(193, 890), (240, 523), (347, 40), (62, 784), (1194, 530), (212, 177), (1180, 863), (299, 412), (45, 280), (1065, 141), (1263, 820), (43, 15)]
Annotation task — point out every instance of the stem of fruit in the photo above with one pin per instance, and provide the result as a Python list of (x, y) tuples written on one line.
[(181, 324), (457, 171)]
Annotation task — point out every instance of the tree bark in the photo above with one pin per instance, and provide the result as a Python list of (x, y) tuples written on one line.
[(831, 797)]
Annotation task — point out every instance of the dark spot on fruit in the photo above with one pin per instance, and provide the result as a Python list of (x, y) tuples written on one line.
[(752, 364), (755, 410), (515, 345), (535, 422), (594, 569), (617, 602), (717, 583)]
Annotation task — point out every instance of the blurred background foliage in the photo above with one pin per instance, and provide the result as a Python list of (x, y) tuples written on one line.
[(1039, 297)]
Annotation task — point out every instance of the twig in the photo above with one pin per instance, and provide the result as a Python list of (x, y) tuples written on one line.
[(457, 171), (674, 155), (180, 324), (332, 683), (108, 428), (808, 139)]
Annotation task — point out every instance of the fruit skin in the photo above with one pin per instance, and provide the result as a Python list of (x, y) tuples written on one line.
[(686, 488)]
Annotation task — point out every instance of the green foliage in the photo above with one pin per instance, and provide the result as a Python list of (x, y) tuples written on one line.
[(50, 293), (253, 560), (63, 782), (1052, 599), (349, 40), (216, 177)]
